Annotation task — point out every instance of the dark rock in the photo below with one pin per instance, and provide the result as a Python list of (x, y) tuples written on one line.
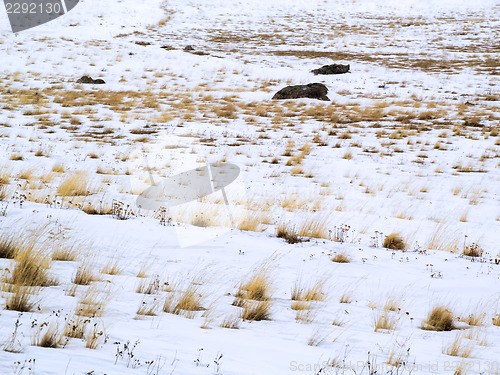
[(89, 80), (85, 79), (189, 48), (331, 69), (311, 90)]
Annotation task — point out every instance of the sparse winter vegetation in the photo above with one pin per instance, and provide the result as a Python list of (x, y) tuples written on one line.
[(173, 218)]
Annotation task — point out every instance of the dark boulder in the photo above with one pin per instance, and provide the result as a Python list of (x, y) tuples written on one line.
[(331, 69), (311, 91), (90, 80)]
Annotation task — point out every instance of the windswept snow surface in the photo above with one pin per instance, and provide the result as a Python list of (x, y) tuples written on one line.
[(409, 144)]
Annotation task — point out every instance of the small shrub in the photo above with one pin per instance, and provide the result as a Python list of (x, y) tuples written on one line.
[(473, 250), (394, 242), (48, 335), (440, 319), (341, 258)]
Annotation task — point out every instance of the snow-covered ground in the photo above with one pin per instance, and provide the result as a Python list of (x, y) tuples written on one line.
[(409, 144)]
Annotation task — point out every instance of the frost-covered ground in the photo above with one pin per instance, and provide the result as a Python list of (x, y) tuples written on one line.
[(409, 144)]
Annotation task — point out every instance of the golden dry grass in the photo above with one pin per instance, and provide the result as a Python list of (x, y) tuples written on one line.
[(149, 286), (299, 305), (394, 241), (21, 298), (386, 321), (342, 257), (48, 335), (92, 303), (190, 300), (439, 319), (257, 310), (258, 287), (75, 327), (150, 308), (77, 184), (85, 274), (440, 240), (458, 348), (65, 253), (95, 335), (31, 267), (112, 267), (231, 322), (9, 246)]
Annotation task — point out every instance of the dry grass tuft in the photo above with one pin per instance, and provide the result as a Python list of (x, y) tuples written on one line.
[(21, 298), (92, 303), (256, 311), (386, 321), (392, 304), (346, 297), (63, 253), (31, 268), (190, 300), (341, 258), (473, 250), (394, 242), (75, 327), (496, 320), (314, 293), (231, 322), (258, 287), (149, 308), (112, 267), (439, 240), (8, 246), (77, 184), (48, 335), (85, 274), (440, 319), (95, 335), (288, 233), (149, 286), (299, 306), (317, 338), (457, 348)]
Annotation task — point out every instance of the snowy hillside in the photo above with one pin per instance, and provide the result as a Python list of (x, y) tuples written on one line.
[(361, 235)]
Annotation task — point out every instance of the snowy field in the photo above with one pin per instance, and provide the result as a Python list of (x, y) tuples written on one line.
[(361, 235)]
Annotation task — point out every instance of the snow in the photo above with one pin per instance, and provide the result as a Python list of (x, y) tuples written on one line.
[(407, 59)]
